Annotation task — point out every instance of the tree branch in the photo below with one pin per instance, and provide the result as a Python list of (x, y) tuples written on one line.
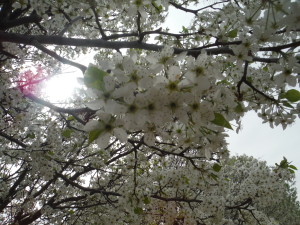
[(194, 11), (58, 40), (12, 191), (6, 24), (280, 47), (177, 199), (244, 80), (91, 190), (98, 23), (57, 57), (72, 112), (12, 139), (260, 92), (61, 33)]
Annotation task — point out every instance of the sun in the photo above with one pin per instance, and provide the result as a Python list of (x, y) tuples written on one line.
[(61, 87)]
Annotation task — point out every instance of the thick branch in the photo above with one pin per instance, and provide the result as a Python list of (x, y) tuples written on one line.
[(30, 218), (6, 24), (58, 40)]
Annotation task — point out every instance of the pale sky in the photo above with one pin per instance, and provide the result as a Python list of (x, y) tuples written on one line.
[(255, 139), (264, 143)]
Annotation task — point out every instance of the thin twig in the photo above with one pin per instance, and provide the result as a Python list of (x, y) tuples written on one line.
[(59, 58)]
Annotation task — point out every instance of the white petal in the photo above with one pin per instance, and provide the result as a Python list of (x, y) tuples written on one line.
[(181, 56), (121, 134), (146, 82), (95, 105), (149, 138), (142, 12), (174, 73), (109, 83), (103, 140), (105, 117), (291, 80), (117, 58), (91, 125), (128, 64), (207, 153), (203, 83), (114, 107)]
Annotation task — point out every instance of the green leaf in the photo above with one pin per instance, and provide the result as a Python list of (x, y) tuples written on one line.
[(287, 104), (291, 171), (184, 29), (93, 77), (213, 176), (31, 136), (221, 121), (224, 82), (217, 167), (70, 118), (292, 95), (293, 167), (232, 33), (138, 210), (51, 153), (93, 135), (158, 8), (239, 108), (147, 200), (66, 133), (284, 163), (265, 68)]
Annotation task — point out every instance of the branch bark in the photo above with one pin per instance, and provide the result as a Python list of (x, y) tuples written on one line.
[(100, 43), (57, 57)]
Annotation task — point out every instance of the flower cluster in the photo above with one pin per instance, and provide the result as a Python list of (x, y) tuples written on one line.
[(162, 98)]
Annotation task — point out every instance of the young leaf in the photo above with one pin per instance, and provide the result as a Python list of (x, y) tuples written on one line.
[(31, 136), (293, 167), (287, 104), (70, 118), (147, 200), (93, 77), (66, 133), (232, 33), (217, 167), (213, 176), (93, 135), (184, 29), (138, 210), (292, 95), (291, 171), (239, 108), (221, 121)]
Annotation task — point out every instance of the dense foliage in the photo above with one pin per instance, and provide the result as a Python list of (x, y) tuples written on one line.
[(143, 141)]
